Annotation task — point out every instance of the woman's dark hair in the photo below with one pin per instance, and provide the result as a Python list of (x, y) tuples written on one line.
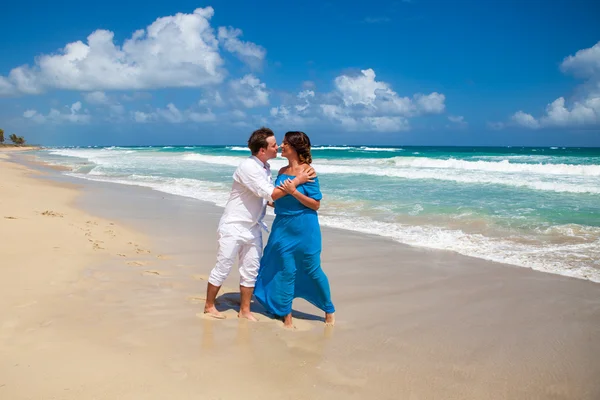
[(258, 139), (301, 143)]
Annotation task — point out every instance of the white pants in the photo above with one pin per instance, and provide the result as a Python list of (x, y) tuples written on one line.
[(245, 244)]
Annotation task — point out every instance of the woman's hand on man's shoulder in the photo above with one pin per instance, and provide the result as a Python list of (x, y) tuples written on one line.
[(310, 171)]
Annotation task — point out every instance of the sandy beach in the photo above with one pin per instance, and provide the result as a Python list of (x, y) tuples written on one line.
[(103, 287)]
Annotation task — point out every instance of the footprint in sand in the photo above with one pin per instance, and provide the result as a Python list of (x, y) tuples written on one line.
[(196, 299), (9, 217), (96, 246), (50, 213), (153, 272), (121, 255), (136, 263), (163, 257), (91, 223), (46, 323)]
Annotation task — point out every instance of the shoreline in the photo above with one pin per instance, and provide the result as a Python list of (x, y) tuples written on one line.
[(586, 269), (14, 147), (412, 322)]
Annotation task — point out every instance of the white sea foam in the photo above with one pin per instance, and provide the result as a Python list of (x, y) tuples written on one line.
[(575, 260), (578, 257), (201, 190), (334, 148), (474, 178), (386, 149), (559, 259), (221, 160), (567, 178), (502, 166), (237, 148)]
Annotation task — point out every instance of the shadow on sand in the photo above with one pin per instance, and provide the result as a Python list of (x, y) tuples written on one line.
[(231, 301)]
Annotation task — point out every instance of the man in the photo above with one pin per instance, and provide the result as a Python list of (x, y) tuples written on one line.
[(240, 226)]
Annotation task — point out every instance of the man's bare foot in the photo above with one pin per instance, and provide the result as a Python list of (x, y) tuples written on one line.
[(330, 319), (287, 322), (213, 312), (248, 315)]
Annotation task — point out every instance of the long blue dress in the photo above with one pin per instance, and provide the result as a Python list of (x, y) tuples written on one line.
[(291, 263)]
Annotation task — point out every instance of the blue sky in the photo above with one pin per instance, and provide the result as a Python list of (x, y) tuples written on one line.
[(418, 72)]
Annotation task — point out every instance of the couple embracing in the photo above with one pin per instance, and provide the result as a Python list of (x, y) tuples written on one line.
[(291, 264)]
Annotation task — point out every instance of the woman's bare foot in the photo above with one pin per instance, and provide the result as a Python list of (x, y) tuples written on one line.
[(248, 315), (330, 319), (287, 321), (213, 312)]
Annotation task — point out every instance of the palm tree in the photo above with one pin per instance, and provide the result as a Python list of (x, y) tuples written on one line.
[(18, 140), (1, 135)]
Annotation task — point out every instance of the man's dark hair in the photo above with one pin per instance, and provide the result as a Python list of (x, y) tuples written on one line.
[(258, 139)]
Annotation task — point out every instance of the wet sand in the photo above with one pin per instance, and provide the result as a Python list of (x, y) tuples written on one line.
[(125, 321)]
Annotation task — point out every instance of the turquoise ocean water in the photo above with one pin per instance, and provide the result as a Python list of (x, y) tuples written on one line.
[(530, 207)]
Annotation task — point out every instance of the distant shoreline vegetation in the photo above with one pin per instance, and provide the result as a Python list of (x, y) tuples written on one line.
[(16, 140)]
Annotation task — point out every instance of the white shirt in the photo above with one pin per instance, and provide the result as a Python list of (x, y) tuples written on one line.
[(252, 188)]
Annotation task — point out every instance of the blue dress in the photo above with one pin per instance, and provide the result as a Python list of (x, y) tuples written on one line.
[(291, 263)]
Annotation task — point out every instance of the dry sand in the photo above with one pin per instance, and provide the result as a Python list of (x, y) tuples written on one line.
[(90, 308)]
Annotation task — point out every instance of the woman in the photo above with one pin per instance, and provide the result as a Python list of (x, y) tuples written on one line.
[(291, 263)]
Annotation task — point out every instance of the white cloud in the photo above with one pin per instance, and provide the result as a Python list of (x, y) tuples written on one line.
[(76, 107), (360, 102), (96, 98), (174, 51), (359, 89), (304, 95), (584, 108), (364, 90), (285, 116), (101, 99), (338, 113), (142, 117), (252, 54), (173, 115), (211, 98), (6, 88), (584, 64), (432, 103), (456, 118), (526, 120), (55, 116), (207, 116), (34, 116), (458, 121), (387, 124), (238, 114), (250, 92)]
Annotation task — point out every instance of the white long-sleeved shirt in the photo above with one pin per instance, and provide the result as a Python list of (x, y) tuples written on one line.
[(252, 188)]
